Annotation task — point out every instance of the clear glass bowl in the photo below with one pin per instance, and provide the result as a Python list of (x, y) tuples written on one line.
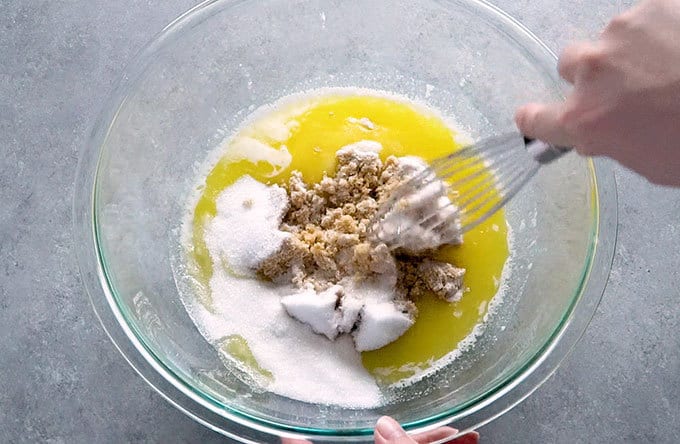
[(203, 74)]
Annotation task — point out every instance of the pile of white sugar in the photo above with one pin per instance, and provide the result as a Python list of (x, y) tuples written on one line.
[(304, 365), (245, 230)]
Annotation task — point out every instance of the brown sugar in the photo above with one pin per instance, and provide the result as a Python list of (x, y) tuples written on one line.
[(329, 223), (422, 275)]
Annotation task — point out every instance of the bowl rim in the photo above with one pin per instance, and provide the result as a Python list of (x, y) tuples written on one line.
[(242, 426)]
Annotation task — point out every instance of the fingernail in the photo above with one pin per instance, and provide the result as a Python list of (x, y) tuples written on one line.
[(389, 428)]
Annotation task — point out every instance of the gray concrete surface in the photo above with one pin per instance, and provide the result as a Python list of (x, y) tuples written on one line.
[(62, 381)]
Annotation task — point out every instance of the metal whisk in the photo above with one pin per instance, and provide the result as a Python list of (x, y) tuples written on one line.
[(460, 191)]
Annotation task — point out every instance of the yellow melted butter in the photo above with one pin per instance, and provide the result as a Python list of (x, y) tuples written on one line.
[(312, 129)]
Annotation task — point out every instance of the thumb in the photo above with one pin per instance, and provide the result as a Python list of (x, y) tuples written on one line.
[(543, 122), (388, 431)]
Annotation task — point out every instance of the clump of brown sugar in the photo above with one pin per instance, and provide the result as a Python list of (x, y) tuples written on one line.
[(422, 275), (329, 242)]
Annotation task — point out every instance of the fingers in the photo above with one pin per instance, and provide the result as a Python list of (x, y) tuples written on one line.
[(544, 122), (294, 441), (435, 435), (468, 438), (575, 57), (388, 431), (446, 432)]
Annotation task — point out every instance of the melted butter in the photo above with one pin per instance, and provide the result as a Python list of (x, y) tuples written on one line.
[(305, 136)]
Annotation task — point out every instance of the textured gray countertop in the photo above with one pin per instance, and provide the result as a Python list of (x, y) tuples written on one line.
[(61, 379)]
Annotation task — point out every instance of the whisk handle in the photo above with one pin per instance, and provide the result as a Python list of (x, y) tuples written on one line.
[(544, 152)]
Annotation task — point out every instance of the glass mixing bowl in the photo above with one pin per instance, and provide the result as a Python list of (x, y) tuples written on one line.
[(196, 81)]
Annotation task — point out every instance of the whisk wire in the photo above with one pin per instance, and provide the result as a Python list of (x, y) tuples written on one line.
[(507, 191), (478, 180)]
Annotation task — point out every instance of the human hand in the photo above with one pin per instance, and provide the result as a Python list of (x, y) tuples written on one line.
[(625, 102), (388, 431)]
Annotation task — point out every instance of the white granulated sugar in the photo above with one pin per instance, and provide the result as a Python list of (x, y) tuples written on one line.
[(245, 230), (351, 307), (381, 323), (367, 147), (315, 309), (409, 166), (305, 366), (367, 307)]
